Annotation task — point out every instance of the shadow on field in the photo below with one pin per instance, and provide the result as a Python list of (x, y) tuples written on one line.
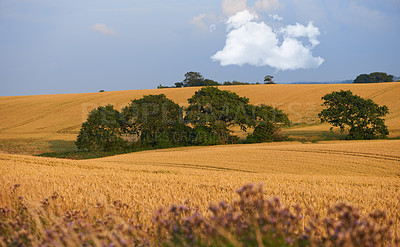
[(62, 146), (314, 135)]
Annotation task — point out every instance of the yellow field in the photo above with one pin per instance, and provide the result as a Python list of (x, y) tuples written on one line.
[(35, 124), (312, 175), (365, 173)]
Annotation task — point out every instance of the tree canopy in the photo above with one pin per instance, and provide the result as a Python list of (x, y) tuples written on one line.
[(220, 110), (362, 118), (156, 119), (375, 77), (193, 79), (268, 79), (101, 131)]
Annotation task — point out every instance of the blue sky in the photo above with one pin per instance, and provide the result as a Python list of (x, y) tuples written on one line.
[(49, 46)]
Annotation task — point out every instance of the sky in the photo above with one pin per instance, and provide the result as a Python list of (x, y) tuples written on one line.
[(54, 47)]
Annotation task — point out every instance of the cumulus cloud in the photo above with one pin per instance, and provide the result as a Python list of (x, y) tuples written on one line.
[(256, 43), (103, 29)]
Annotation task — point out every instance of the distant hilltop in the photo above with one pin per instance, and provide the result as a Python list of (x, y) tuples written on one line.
[(395, 78)]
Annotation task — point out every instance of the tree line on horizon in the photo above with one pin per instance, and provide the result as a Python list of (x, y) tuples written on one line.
[(195, 79), (375, 77)]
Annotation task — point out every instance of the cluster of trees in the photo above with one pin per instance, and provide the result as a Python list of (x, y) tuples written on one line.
[(156, 121), (195, 79), (375, 77)]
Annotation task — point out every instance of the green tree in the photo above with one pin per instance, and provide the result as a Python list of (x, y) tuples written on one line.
[(156, 120), (363, 78), (380, 77), (218, 110), (268, 79), (267, 122), (102, 130), (178, 84), (375, 77), (193, 79), (209, 82), (362, 118)]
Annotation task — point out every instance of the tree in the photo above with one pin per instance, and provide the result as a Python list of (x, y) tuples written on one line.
[(102, 130), (218, 111), (268, 79), (209, 82), (157, 120), (267, 122), (362, 118), (193, 79), (375, 77), (363, 78), (178, 84)]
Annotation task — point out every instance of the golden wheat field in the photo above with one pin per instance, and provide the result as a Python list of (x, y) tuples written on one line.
[(36, 124), (364, 173), (132, 186)]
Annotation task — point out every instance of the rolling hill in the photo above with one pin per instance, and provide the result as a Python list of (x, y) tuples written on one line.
[(36, 124)]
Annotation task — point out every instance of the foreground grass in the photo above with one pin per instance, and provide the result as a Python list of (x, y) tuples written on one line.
[(250, 220), (114, 194)]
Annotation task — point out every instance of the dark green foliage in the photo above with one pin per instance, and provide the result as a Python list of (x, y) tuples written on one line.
[(363, 118), (204, 136), (161, 86), (218, 110), (363, 78), (178, 84), (209, 82), (266, 113), (268, 79), (101, 131), (193, 79), (265, 132), (375, 77), (267, 121), (221, 110), (156, 120), (228, 83)]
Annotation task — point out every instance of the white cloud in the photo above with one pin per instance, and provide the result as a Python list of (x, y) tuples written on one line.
[(103, 29), (298, 30), (275, 17), (255, 43)]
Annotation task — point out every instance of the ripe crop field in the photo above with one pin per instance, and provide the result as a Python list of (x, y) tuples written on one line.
[(120, 192), (366, 174), (37, 124)]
